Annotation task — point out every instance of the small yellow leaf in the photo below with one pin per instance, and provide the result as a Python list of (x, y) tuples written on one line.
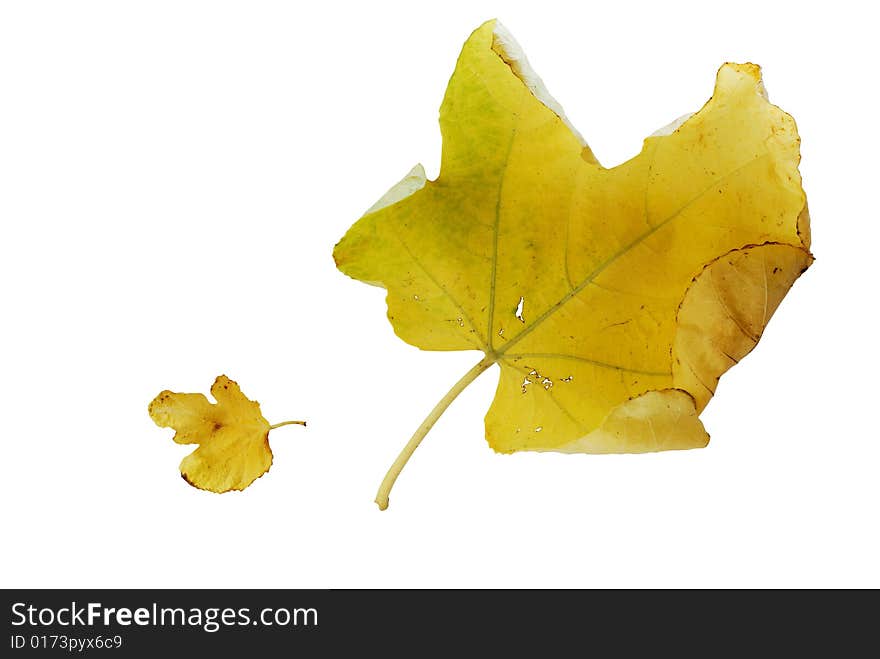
[(232, 434)]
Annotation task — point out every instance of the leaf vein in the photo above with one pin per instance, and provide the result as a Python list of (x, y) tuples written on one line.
[(586, 360), (482, 343), (621, 252), (493, 278)]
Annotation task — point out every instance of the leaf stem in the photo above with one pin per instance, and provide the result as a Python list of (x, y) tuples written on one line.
[(287, 423), (427, 424)]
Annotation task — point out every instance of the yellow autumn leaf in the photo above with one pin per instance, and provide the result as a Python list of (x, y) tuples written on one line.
[(612, 299), (232, 435)]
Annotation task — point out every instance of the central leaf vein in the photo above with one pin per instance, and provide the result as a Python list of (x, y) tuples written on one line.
[(588, 279)]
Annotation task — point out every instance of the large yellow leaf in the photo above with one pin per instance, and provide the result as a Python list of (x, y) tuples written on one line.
[(232, 433), (612, 299)]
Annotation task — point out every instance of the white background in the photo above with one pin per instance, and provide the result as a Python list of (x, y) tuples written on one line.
[(173, 177)]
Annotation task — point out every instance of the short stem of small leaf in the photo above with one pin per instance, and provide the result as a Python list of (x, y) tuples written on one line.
[(427, 424), (287, 423)]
